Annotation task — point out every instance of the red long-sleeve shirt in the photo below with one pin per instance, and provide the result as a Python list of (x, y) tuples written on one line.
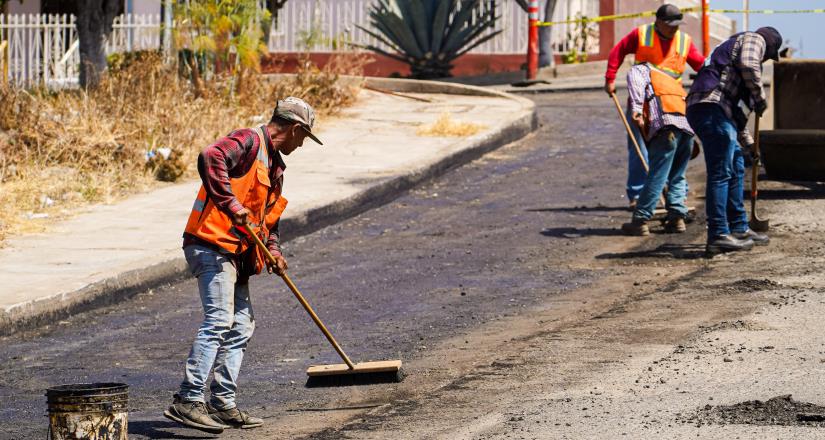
[(630, 43)]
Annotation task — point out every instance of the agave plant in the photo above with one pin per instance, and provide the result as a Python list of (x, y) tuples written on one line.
[(428, 34)]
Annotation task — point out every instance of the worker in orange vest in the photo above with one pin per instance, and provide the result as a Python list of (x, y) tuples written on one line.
[(663, 46), (242, 177)]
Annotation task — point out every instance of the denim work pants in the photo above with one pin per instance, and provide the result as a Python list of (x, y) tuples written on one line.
[(725, 169), (636, 174), (669, 153), (227, 326)]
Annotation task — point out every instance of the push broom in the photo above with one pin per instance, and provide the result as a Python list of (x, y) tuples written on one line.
[(348, 373)]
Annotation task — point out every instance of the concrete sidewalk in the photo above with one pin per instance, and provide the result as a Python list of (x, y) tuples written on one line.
[(371, 154)]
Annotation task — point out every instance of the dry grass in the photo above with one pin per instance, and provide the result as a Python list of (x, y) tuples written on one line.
[(60, 151), (446, 126)]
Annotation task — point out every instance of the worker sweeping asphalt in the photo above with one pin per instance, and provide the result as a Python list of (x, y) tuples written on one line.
[(242, 177), (664, 46), (731, 77), (657, 105)]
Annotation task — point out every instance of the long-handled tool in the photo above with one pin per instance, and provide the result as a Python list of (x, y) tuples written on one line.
[(347, 373), (756, 223)]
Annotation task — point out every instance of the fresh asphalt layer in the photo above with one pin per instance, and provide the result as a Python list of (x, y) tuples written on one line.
[(371, 154), (476, 246)]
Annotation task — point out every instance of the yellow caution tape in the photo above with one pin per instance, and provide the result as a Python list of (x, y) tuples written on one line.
[(685, 10)]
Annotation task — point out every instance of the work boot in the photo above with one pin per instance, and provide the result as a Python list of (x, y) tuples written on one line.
[(727, 243), (632, 206), (758, 239), (675, 225), (193, 415), (637, 227), (234, 418)]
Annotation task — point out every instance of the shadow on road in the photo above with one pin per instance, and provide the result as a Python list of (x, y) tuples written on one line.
[(569, 232), (151, 429), (810, 190), (667, 250), (581, 209)]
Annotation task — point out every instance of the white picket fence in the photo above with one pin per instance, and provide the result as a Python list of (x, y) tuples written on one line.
[(43, 49), (333, 21)]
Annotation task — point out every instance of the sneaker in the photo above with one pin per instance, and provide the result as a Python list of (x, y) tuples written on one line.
[(637, 227), (234, 418), (193, 415), (758, 239), (727, 243), (675, 225)]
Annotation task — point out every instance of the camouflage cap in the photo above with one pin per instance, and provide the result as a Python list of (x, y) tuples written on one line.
[(297, 110)]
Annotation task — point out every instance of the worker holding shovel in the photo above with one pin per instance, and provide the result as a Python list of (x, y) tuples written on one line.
[(662, 45), (657, 105), (242, 177), (731, 77)]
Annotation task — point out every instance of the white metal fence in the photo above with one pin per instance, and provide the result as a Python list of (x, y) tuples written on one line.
[(43, 49), (321, 25)]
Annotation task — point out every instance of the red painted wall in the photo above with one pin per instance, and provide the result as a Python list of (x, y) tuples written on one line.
[(379, 65)]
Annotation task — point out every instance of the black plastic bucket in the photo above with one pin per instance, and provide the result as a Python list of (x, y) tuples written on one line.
[(92, 411)]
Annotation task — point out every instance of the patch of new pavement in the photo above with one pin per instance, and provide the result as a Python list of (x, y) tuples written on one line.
[(371, 155)]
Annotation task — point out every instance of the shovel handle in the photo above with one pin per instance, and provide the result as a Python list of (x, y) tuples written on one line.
[(755, 166), (303, 301)]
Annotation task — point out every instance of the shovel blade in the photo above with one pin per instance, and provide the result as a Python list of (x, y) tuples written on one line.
[(759, 225)]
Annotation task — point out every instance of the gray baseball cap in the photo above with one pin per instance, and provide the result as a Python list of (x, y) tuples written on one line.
[(298, 111), (670, 14)]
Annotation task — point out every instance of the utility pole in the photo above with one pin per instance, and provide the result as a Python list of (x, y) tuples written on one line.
[(533, 40), (745, 15)]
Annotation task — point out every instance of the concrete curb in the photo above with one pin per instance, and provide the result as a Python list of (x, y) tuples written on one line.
[(125, 285)]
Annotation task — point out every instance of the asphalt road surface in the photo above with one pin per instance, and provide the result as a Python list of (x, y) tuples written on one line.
[(480, 245)]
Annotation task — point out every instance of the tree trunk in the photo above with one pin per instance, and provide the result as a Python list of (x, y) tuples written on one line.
[(94, 25)]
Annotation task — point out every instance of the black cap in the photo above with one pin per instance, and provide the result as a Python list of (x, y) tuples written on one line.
[(670, 14), (773, 42)]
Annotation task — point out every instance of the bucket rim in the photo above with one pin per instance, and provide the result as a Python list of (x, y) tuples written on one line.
[(91, 387)]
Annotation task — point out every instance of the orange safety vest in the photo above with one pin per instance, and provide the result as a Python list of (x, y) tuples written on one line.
[(650, 51), (254, 191)]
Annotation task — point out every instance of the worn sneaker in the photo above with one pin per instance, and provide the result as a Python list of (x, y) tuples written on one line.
[(234, 418), (727, 243), (758, 239), (675, 225), (193, 415), (636, 227)]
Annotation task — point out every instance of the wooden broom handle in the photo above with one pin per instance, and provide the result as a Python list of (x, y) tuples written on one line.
[(303, 302)]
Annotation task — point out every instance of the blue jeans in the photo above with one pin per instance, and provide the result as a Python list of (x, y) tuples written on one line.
[(725, 169), (227, 327), (636, 174), (669, 154)]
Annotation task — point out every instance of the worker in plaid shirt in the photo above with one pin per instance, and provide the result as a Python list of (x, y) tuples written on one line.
[(730, 79)]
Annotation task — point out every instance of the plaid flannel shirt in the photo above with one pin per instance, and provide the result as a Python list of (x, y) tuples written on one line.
[(641, 90), (745, 71), (232, 156)]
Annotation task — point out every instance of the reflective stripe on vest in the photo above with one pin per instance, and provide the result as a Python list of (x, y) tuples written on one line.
[(650, 51), (253, 191)]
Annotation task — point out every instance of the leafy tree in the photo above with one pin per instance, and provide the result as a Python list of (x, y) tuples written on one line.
[(223, 35)]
